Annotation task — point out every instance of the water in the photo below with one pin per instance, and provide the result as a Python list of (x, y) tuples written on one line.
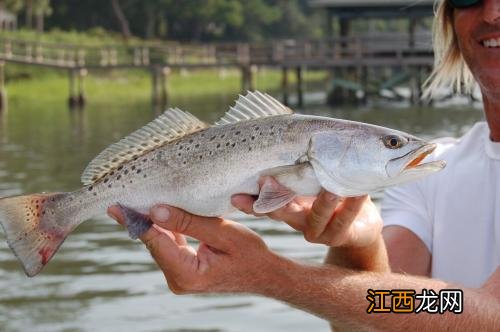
[(101, 280)]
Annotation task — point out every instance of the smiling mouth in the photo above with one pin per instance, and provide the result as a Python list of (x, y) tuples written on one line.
[(491, 43)]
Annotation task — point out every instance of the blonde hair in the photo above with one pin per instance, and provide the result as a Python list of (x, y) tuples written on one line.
[(450, 69)]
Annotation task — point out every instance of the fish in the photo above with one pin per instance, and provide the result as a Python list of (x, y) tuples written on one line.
[(182, 161)]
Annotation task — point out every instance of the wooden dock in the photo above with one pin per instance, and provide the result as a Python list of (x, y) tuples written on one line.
[(339, 55)]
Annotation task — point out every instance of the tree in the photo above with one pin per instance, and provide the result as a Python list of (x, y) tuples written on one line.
[(120, 16)]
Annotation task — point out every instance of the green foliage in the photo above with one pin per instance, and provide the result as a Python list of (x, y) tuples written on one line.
[(193, 20)]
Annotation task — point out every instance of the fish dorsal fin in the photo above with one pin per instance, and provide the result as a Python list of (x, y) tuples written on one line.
[(253, 105), (172, 124)]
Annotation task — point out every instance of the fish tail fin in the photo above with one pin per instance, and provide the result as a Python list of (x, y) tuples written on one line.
[(34, 228)]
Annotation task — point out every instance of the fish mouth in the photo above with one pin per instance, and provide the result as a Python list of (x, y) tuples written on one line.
[(412, 162)]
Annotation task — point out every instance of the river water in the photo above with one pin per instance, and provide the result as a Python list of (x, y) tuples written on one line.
[(101, 280)]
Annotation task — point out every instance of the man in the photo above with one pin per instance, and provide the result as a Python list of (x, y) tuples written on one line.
[(463, 201)]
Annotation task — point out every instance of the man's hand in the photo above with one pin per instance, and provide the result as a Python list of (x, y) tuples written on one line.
[(230, 257), (327, 219)]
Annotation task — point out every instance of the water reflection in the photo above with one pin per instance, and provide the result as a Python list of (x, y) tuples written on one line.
[(100, 279)]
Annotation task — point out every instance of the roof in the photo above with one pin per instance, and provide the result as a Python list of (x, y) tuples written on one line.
[(369, 3)]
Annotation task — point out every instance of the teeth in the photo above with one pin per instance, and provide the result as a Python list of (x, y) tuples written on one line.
[(494, 42)]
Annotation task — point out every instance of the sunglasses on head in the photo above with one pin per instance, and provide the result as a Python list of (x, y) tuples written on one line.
[(463, 3)]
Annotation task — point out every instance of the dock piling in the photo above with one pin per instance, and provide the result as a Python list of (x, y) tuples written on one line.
[(300, 87), (3, 92), (284, 85)]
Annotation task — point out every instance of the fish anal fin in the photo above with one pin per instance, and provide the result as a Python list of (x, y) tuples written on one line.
[(135, 222), (272, 196), (171, 125)]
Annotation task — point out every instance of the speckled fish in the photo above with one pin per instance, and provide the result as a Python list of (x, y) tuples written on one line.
[(180, 160)]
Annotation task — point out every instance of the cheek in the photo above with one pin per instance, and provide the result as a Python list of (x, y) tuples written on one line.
[(463, 24)]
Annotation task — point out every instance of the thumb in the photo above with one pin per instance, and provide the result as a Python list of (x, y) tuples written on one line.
[(210, 230)]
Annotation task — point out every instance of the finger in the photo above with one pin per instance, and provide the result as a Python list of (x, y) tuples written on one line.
[(343, 218), (115, 213), (321, 214), (164, 246), (211, 230), (243, 203)]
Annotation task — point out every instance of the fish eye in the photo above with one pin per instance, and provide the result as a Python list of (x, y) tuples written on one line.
[(393, 141)]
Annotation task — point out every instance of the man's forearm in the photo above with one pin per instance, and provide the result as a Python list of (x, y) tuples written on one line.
[(339, 295), (370, 258)]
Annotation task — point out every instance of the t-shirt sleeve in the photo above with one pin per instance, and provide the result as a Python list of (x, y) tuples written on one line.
[(405, 206)]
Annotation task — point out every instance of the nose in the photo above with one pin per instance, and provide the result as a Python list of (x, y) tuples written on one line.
[(491, 11)]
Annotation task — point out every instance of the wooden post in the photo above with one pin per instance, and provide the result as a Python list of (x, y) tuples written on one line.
[(3, 92), (73, 99), (415, 86), (247, 78), (164, 86), (364, 83), (411, 31), (284, 85), (154, 86), (81, 91), (300, 87)]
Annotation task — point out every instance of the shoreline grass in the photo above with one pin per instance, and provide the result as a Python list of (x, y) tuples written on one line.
[(124, 86)]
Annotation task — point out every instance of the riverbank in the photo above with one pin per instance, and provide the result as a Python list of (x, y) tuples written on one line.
[(124, 86)]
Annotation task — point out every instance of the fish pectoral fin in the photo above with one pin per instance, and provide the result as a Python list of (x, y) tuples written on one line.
[(136, 223), (272, 196)]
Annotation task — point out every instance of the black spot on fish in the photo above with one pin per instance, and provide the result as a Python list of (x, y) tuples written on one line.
[(118, 177), (197, 146), (138, 171), (181, 147), (133, 168), (191, 141), (109, 185), (253, 138), (201, 157), (222, 136), (179, 154), (250, 149), (125, 172), (227, 144), (237, 133), (120, 168), (218, 145), (244, 140), (233, 145), (212, 138)]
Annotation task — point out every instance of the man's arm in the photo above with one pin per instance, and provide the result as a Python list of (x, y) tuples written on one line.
[(339, 295), (232, 258)]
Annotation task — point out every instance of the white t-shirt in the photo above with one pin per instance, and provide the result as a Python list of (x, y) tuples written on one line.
[(455, 212)]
